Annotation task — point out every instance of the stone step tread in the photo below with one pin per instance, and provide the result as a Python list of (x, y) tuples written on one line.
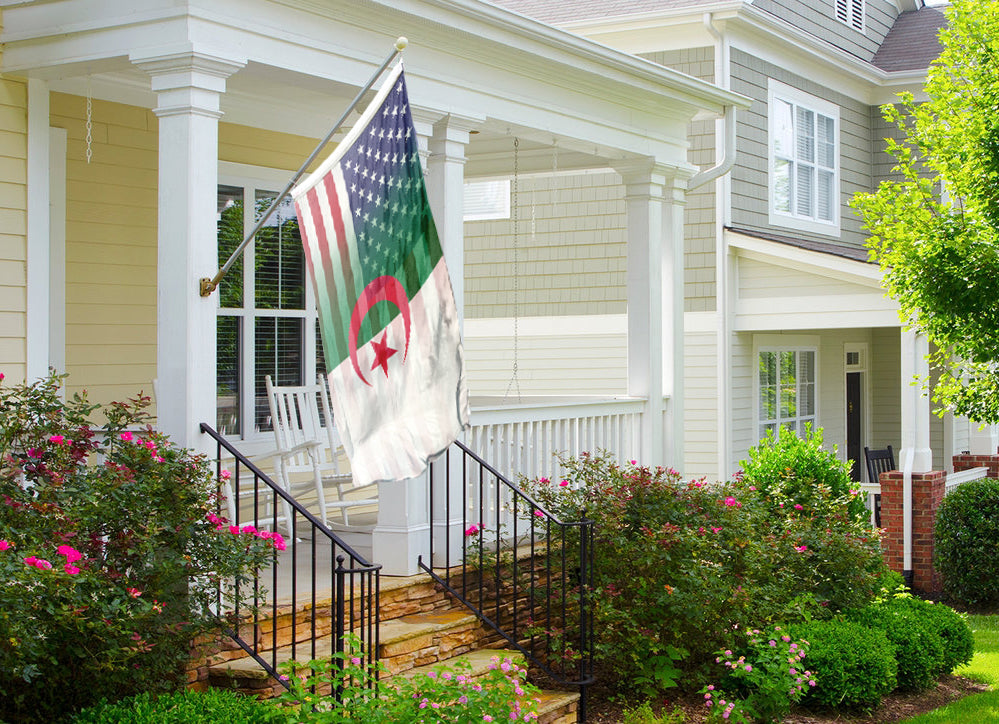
[(553, 700), (479, 659), (394, 631)]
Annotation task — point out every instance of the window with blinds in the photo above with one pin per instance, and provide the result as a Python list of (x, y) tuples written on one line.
[(266, 320), (851, 12), (804, 187), (787, 391)]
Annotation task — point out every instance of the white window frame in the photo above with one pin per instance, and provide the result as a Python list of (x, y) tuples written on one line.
[(252, 179), (781, 92), (852, 13), (487, 199), (778, 344)]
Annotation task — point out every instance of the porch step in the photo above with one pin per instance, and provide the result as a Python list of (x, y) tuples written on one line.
[(404, 643)]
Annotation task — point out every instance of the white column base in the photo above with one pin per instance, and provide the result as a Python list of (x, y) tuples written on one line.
[(402, 533)]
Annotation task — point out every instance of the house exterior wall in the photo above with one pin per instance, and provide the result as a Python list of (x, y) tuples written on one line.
[(819, 19), (571, 248), (881, 424), (13, 228), (700, 413), (750, 176), (110, 247), (886, 388), (111, 220)]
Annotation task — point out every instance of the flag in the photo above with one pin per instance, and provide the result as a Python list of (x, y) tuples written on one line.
[(389, 325)]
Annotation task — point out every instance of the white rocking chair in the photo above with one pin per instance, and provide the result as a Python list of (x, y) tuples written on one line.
[(307, 451)]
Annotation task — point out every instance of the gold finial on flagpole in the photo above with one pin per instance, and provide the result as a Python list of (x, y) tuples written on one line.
[(401, 42)]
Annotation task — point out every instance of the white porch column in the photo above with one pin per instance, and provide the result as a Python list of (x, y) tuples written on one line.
[(188, 86), (38, 317), (915, 455), (654, 194), (402, 533), (984, 439)]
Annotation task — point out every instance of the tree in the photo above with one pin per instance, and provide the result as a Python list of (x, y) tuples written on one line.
[(935, 230)]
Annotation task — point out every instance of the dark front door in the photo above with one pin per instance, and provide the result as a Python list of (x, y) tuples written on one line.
[(854, 449)]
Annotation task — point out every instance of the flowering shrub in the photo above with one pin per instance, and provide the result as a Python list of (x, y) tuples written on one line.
[(764, 681), (447, 694), (111, 553), (685, 568)]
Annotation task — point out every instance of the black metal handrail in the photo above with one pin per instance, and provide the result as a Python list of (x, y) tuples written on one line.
[(353, 588), (523, 572)]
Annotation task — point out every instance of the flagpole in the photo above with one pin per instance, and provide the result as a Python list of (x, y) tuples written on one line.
[(210, 285)]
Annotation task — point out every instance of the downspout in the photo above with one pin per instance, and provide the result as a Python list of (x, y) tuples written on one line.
[(724, 129)]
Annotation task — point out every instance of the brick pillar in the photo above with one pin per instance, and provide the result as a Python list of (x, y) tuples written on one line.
[(927, 491), (965, 461)]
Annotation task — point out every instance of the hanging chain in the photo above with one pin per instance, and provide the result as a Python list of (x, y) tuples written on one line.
[(514, 379), (90, 122)]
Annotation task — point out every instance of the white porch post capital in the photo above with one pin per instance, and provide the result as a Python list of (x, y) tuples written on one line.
[(915, 403), (424, 120), (188, 86), (654, 197)]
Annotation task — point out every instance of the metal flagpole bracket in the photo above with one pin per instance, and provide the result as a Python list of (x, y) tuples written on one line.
[(209, 285)]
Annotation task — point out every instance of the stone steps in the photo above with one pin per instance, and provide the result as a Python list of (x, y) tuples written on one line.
[(421, 629)]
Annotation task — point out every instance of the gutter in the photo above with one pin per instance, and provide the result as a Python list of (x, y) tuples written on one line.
[(724, 165)]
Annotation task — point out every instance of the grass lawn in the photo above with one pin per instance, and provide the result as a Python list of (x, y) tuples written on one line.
[(984, 667)]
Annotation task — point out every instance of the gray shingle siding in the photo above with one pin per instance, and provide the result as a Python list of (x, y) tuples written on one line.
[(750, 182), (699, 213), (818, 18)]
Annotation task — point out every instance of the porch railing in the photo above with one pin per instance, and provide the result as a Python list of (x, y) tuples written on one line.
[(521, 570), (317, 576), (522, 438)]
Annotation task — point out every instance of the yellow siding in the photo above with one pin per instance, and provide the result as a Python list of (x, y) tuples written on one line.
[(241, 144), (110, 247), (13, 223), (700, 412)]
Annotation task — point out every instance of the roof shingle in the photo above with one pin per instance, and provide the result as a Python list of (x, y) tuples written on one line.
[(912, 42)]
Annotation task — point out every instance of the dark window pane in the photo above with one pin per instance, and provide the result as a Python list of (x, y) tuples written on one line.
[(280, 261), (227, 383), (279, 344), (230, 234)]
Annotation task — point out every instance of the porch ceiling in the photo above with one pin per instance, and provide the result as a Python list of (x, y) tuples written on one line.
[(304, 61)]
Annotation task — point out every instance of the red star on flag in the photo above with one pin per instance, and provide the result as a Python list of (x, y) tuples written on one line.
[(382, 353)]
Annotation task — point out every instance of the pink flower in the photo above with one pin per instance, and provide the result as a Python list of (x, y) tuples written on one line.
[(30, 561), (799, 506), (234, 529), (472, 529), (355, 660), (563, 484), (486, 717), (226, 475), (1, 376), (633, 462), (57, 439), (42, 564), (715, 530), (126, 436), (158, 459), (539, 513), (71, 569), (34, 452), (801, 548), (72, 555), (134, 592), (4, 545), (279, 542), (248, 529), (544, 481), (730, 501)]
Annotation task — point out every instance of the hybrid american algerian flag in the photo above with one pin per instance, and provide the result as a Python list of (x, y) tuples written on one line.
[(389, 326)]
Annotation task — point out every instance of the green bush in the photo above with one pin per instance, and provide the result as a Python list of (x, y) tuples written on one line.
[(214, 706), (794, 470), (919, 648), (854, 665), (683, 569), (112, 553), (966, 539)]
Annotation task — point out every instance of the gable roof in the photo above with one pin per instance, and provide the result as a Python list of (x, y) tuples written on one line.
[(556, 12), (912, 42)]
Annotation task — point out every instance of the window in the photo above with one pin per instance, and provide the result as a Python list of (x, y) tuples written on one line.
[(786, 390), (804, 174), (851, 12), (486, 200), (266, 316)]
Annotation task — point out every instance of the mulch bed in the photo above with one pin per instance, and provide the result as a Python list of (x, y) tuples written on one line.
[(895, 707)]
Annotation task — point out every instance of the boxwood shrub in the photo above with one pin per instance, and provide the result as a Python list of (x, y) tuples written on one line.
[(214, 706), (966, 541), (854, 665), (919, 648)]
